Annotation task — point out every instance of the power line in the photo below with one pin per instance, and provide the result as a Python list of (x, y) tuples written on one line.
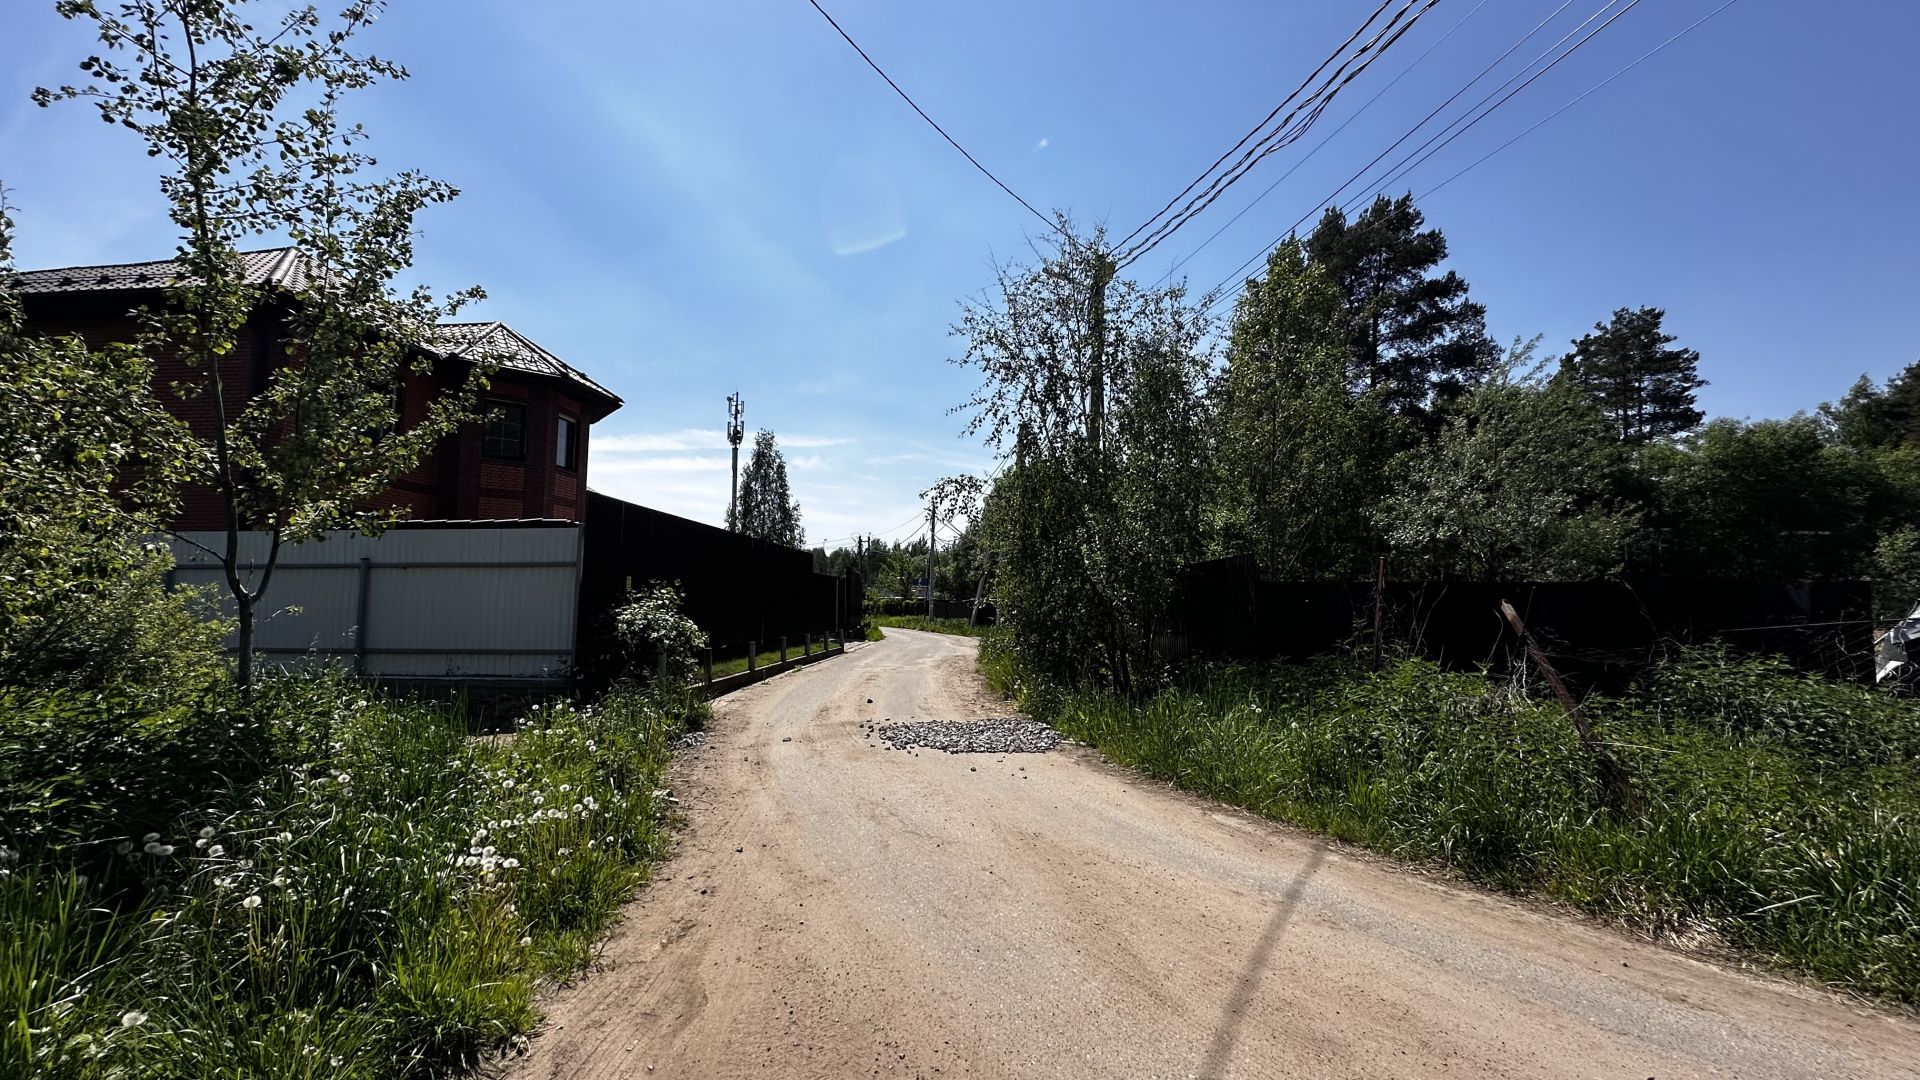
[(1415, 129), (1411, 163), (1286, 133), (984, 171), (1308, 156), (1255, 130), (1588, 93)]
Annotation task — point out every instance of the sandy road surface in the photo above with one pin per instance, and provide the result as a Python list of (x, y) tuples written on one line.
[(838, 909)]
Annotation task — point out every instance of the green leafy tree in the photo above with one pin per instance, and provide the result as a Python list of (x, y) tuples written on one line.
[(242, 108), (1299, 453), (1645, 388), (89, 464), (1764, 501), (1877, 417), (1413, 336), (1095, 387), (766, 508), (1517, 486)]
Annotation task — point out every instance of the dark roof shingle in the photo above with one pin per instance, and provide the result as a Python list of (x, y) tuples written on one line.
[(281, 267), (287, 268), (503, 345)]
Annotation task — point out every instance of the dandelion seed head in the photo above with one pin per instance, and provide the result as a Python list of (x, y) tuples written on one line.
[(252, 901), (132, 1018), (206, 833)]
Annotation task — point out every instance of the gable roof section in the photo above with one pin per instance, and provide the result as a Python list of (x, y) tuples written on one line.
[(282, 268), (510, 349), (286, 268)]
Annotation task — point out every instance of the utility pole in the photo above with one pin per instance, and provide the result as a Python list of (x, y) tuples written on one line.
[(931, 506), (736, 430), (1103, 271)]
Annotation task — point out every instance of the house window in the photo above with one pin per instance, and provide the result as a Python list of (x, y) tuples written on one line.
[(506, 431), (566, 444)]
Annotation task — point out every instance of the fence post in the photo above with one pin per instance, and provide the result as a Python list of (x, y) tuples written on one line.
[(660, 666), (806, 644), (753, 656), (360, 617), (1379, 593), (1611, 773), (783, 648), (709, 665)]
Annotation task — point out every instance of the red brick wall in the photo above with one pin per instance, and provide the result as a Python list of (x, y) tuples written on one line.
[(455, 482)]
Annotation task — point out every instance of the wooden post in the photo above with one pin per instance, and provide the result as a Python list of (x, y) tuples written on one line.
[(360, 617), (783, 648), (753, 656), (1619, 786), (1379, 596), (709, 665)]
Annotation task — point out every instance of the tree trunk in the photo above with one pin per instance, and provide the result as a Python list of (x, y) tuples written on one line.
[(244, 672)]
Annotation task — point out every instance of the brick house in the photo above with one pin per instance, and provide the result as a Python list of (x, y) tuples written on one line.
[(527, 457)]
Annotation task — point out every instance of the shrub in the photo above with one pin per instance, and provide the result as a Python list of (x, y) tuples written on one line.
[(655, 637)]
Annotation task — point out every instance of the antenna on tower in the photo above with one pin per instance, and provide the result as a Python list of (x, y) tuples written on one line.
[(736, 430)]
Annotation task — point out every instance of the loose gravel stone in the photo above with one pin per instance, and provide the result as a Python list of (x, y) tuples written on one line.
[(1001, 735), (692, 740)]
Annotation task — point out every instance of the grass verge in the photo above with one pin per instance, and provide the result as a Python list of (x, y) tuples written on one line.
[(1781, 813), (958, 627), (367, 891)]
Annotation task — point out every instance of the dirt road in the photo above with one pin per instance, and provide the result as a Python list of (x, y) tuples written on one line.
[(838, 909)]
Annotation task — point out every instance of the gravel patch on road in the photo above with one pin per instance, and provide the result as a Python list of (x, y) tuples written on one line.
[(692, 740), (1005, 735)]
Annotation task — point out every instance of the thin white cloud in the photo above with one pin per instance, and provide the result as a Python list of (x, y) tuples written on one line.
[(872, 243), (1042, 145), (650, 442), (599, 465)]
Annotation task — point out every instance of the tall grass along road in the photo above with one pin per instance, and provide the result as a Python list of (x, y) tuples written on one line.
[(838, 909)]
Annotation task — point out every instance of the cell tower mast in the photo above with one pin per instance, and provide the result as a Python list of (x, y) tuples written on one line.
[(736, 430)]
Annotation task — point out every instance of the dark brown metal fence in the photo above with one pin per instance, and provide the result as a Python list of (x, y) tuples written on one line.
[(737, 589), (1603, 632)]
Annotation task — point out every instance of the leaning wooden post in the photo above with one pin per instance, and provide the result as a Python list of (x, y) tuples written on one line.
[(1611, 772)]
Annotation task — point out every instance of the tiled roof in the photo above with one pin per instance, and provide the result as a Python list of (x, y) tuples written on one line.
[(503, 345), (287, 268), (282, 267)]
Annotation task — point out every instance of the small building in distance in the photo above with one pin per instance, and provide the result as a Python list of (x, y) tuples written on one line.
[(526, 458)]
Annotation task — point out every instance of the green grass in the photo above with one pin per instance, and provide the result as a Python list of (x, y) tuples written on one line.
[(1781, 814), (936, 626), (378, 894)]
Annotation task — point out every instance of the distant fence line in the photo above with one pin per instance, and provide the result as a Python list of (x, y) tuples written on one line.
[(1603, 631)]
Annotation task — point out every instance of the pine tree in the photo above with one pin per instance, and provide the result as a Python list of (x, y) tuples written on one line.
[(1645, 388), (1872, 416), (766, 507), (1412, 336)]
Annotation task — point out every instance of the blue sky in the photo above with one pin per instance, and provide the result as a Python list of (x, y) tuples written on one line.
[(689, 197)]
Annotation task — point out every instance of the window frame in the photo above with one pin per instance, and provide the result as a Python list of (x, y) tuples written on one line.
[(486, 430), (569, 445)]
